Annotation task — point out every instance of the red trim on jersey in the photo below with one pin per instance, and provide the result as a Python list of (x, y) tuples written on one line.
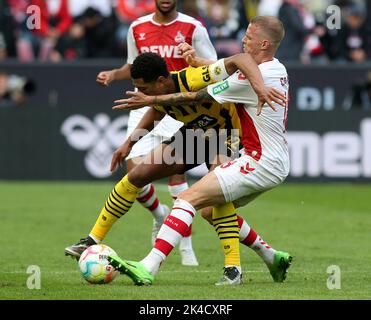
[(177, 225), (164, 246), (250, 136)]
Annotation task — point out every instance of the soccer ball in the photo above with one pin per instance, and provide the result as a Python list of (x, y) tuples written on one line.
[(94, 266)]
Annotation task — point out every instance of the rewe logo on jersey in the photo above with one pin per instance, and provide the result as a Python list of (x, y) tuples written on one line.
[(99, 138), (164, 51)]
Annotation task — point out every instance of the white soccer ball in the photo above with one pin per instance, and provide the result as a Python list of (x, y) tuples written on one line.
[(94, 266)]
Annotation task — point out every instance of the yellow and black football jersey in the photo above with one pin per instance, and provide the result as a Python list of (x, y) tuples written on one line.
[(205, 115)]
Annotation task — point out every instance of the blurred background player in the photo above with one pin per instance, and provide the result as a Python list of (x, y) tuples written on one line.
[(160, 32)]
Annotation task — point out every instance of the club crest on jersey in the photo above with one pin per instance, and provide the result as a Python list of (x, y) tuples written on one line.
[(179, 38), (142, 36)]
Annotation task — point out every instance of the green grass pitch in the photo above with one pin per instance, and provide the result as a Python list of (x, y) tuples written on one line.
[(320, 225)]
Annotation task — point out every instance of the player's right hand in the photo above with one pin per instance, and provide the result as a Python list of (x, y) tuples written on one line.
[(119, 156), (104, 78), (188, 53), (137, 100)]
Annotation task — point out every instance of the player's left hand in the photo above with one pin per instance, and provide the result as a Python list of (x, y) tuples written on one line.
[(119, 155), (270, 96), (137, 100)]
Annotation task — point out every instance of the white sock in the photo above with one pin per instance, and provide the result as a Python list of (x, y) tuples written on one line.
[(174, 190), (185, 243), (238, 268), (94, 238), (250, 238), (265, 251), (153, 261)]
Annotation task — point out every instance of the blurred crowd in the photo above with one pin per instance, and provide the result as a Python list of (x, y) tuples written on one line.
[(75, 29)]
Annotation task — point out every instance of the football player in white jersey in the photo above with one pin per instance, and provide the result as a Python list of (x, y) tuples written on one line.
[(160, 32), (263, 165)]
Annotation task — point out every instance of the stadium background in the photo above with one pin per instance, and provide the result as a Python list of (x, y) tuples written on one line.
[(60, 126)]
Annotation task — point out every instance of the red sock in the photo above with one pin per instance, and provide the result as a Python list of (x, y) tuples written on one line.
[(175, 226), (148, 198)]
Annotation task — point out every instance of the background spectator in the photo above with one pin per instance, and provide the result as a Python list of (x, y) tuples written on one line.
[(269, 7), (91, 34), (291, 13), (192, 8), (75, 29), (78, 7), (352, 37), (7, 35), (14, 89), (226, 22), (55, 21), (126, 12)]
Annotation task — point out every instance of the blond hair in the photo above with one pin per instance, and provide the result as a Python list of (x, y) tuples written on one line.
[(272, 28)]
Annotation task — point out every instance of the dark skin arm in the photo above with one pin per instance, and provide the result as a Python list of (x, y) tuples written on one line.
[(104, 78), (139, 99), (144, 126), (241, 61)]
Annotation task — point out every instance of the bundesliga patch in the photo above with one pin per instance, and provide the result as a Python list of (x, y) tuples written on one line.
[(221, 87)]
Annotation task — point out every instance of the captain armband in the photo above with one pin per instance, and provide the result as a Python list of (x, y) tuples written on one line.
[(218, 71)]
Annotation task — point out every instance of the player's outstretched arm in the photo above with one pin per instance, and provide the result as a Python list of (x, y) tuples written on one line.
[(139, 99), (104, 78), (247, 65)]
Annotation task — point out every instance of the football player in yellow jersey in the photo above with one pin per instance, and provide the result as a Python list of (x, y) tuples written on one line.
[(216, 116), (150, 76)]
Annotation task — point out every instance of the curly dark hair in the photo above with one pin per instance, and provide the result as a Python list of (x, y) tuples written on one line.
[(149, 66)]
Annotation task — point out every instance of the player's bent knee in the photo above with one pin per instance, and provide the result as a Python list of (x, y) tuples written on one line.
[(194, 198), (131, 163), (138, 177)]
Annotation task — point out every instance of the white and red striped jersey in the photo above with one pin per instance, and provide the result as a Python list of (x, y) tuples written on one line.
[(263, 136), (146, 35)]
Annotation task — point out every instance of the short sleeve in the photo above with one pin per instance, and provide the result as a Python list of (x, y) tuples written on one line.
[(202, 44), (131, 45), (233, 90)]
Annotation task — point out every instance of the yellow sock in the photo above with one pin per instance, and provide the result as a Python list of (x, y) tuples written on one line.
[(118, 203), (226, 225)]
